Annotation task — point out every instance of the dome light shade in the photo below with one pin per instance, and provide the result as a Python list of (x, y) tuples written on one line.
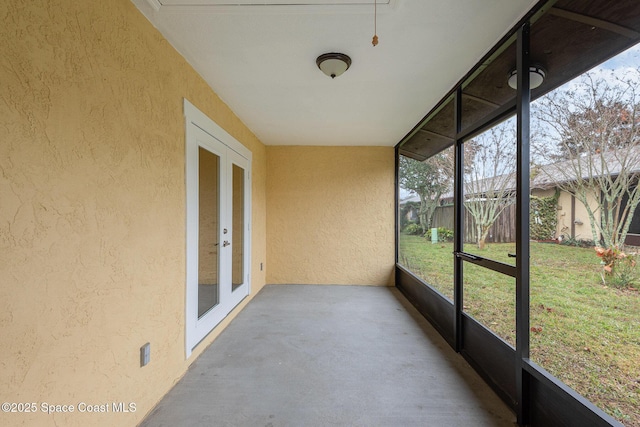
[(536, 77), (333, 64)]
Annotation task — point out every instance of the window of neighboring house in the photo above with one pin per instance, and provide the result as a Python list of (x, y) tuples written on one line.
[(633, 235)]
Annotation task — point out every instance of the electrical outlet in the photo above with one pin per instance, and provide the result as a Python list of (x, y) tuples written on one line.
[(145, 354)]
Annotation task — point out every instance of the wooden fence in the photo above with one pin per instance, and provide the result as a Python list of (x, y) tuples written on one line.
[(502, 231)]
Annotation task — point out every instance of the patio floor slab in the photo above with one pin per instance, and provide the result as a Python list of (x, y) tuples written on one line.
[(304, 355)]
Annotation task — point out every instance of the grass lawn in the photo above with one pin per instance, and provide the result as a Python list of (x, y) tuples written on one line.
[(584, 333)]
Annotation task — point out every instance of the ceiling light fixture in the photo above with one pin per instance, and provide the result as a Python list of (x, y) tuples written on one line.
[(333, 64), (536, 77)]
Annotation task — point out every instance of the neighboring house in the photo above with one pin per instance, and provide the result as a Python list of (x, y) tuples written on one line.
[(573, 219), (411, 213)]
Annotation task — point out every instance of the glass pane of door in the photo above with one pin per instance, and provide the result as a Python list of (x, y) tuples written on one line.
[(490, 193), (490, 228), (208, 230), (237, 243), (490, 298)]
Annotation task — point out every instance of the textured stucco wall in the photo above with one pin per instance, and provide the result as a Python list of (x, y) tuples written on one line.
[(330, 215), (92, 207)]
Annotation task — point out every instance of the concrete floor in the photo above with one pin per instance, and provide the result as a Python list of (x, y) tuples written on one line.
[(302, 355)]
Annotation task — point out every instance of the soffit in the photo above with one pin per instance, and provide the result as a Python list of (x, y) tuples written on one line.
[(568, 39)]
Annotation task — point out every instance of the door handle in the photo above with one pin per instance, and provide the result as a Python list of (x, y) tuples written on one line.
[(225, 244)]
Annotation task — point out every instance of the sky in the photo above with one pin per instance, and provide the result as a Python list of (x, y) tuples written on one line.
[(623, 65), (628, 58)]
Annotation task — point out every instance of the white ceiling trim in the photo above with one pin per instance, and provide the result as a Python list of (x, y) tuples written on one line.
[(276, 6)]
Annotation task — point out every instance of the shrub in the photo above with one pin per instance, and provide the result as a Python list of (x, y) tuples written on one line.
[(544, 217), (619, 268), (413, 229), (580, 243)]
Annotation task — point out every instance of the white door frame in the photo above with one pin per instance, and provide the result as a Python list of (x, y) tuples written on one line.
[(203, 132)]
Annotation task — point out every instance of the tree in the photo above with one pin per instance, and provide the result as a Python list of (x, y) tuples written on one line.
[(489, 183), (591, 138), (429, 179)]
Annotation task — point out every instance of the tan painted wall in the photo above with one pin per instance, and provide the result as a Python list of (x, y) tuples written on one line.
[(92, 207), (583, 231), (330, 215)]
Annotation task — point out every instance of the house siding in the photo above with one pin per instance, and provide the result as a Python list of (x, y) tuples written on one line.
[(566, 216), (92, 208)]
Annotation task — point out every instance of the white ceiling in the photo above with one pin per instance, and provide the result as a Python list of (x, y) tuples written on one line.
[(259, 57)]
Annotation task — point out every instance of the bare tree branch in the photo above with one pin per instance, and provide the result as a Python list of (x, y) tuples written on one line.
[(490, 181), (590, 139)]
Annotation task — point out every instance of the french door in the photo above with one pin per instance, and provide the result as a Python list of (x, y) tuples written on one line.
[(217, 232)]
